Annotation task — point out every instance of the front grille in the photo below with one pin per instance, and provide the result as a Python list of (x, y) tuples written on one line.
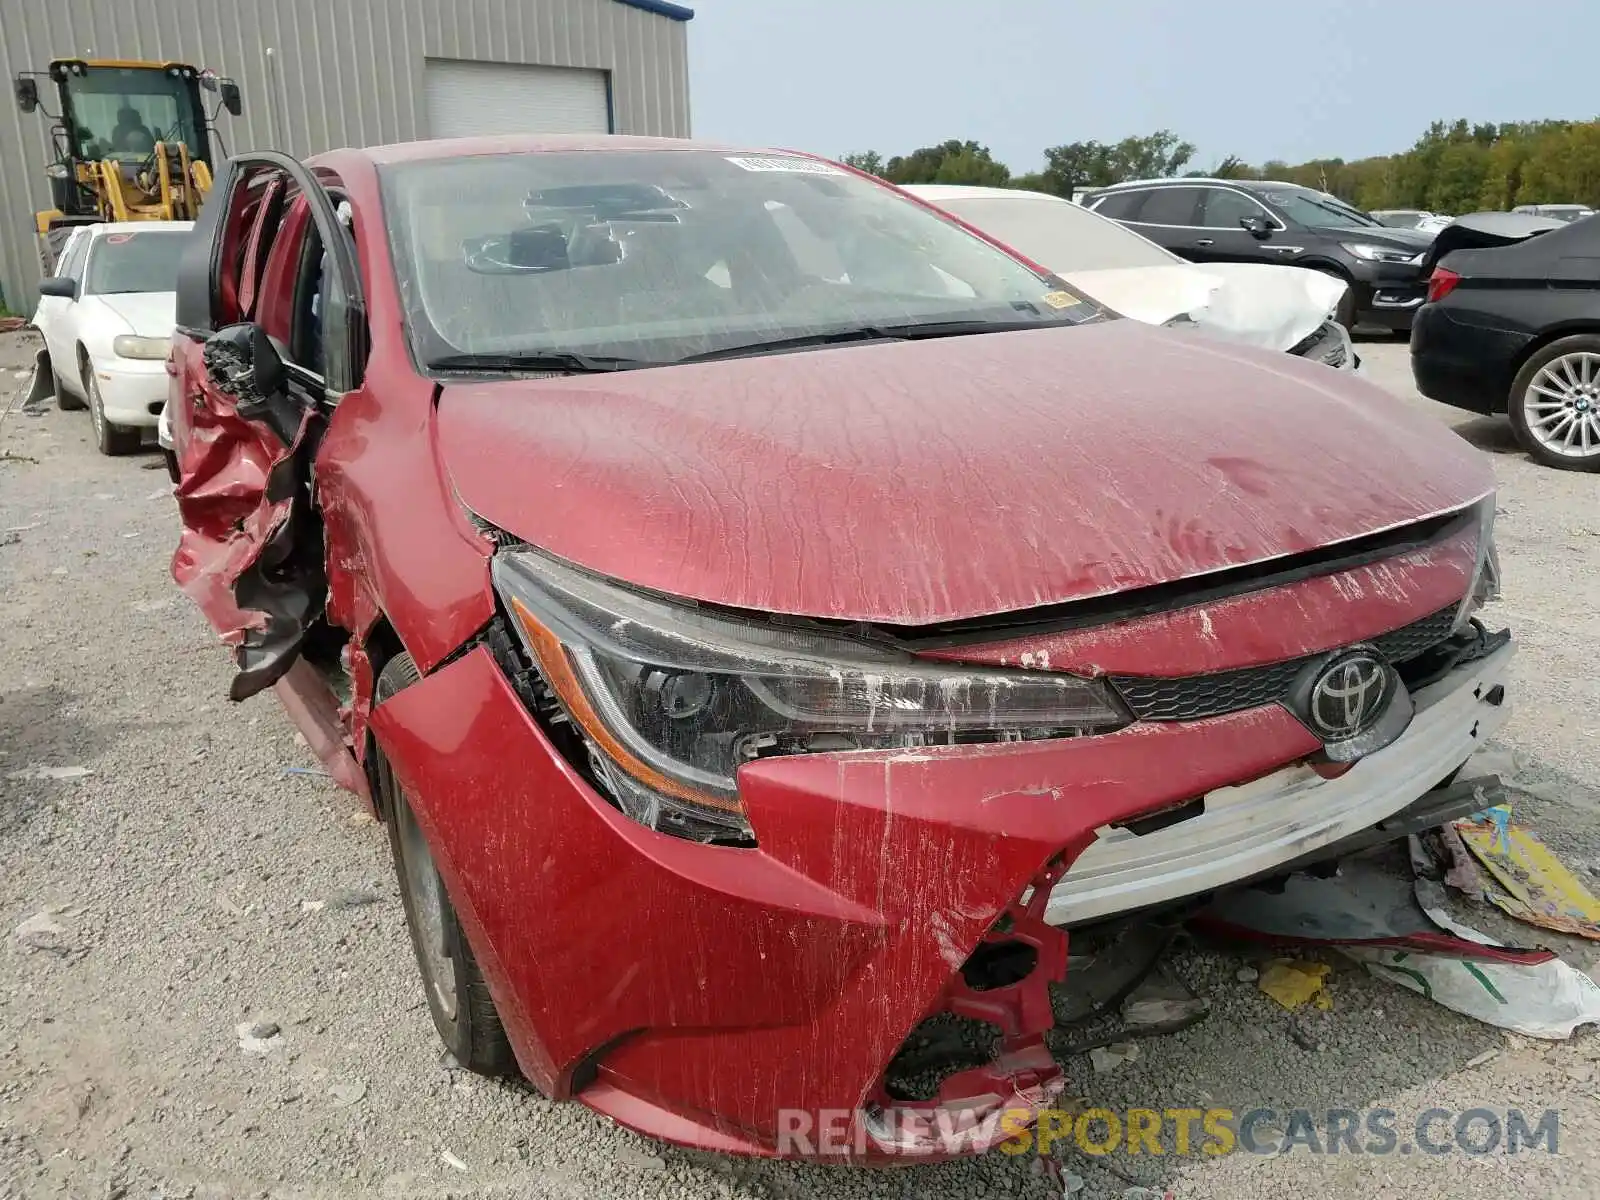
[(1196, 697)]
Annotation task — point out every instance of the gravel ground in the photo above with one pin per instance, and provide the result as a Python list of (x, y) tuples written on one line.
[(191, 888)]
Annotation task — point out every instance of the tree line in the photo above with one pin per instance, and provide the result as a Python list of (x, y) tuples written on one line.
[(1455, 167)]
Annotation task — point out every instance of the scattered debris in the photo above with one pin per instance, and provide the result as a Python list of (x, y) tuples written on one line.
[(1071, 1183), (1247, 974), (362, 817), (1293, 983), (1532, 884), (346, 1095), (450, 1160), (1109, 1058), (352, 898), (312, 771), (258, 1038), (1541, 1000), (313, 906), (1477, 1060), (1162, 1004), (1303, 1037), (642, 1160), (42, 932), (13, 456), (53, 773)]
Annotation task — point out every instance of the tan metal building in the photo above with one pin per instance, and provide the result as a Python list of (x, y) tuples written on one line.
[(318, 74)]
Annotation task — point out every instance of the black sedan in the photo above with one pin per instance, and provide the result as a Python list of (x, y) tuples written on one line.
[(1512, 325)]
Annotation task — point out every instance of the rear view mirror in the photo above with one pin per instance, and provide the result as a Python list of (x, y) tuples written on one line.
[(27, 92), (1257, 227), (63, 286), (230, 97)]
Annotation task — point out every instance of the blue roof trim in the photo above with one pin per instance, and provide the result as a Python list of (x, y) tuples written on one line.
[(662, 8)]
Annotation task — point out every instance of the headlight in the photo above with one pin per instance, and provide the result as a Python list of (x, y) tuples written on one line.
[(1388, 254), (1486, 570), (672, 699), (129, 346)]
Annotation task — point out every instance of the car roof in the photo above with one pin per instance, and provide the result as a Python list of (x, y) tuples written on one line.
[(543, 144), (957, 191), (101, 228), (1187, 181)]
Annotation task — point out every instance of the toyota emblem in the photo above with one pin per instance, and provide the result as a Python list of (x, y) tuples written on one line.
[(1348, 695)]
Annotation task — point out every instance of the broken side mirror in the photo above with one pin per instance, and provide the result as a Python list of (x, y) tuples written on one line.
[(230, 96), (1257, 227), (243, 364), (27, 93), (63, 286)]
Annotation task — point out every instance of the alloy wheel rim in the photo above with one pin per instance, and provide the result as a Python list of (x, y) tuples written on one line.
[(1562, 405), (427, 901)]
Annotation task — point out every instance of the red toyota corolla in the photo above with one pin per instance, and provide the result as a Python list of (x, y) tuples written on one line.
[(768, 616)]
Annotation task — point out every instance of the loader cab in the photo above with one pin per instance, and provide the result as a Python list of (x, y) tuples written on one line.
[(111, 115)]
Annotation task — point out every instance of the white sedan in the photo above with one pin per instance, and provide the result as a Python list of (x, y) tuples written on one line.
[(1260, 304), (106, 316)]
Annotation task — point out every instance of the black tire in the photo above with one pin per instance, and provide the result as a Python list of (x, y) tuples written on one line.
[(112, 439), (65, 400), (1517, 401), (463, 1011)]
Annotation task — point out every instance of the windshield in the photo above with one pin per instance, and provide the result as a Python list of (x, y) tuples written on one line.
[(1306, 207), (122, 112), (657, 256), (1059, 235), (141, 261)]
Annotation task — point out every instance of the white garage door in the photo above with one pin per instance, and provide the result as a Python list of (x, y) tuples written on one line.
[(468, 99)]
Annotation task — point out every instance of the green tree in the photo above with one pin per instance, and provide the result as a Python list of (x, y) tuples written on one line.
[(949, 162), (869, 161)]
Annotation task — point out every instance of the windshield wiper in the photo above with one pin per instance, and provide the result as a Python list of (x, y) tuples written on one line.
[(869, 333), (544, 361)]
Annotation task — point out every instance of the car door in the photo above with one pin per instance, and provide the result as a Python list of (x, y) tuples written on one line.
[(1236, 227), (57, 316), (256, 395)]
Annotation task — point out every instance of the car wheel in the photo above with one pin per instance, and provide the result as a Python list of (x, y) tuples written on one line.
[(463, 1011), (65, 400), (1555, 404), (111, 438)]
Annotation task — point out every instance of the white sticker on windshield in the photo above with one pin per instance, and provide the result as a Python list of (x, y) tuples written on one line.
[(803, 166)]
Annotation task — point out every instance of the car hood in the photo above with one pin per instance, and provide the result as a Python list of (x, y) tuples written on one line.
[(1414, 240), (148, 314), (917, 482), (1257, 304), (1488, 230)]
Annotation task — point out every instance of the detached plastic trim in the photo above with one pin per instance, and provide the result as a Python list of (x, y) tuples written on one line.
[(662, 8)]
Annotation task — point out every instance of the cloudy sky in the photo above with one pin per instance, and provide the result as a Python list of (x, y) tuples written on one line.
[(1289, 79)]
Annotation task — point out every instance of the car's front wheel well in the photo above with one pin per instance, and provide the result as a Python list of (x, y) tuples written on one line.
[(85, 366), (381, 645)]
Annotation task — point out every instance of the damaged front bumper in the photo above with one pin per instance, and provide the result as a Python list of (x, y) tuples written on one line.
[(755, 999), (1240, 831)]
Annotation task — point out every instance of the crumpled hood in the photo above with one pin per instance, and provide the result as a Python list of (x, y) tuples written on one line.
[(1267, 305), (917, 482), (148, 314)]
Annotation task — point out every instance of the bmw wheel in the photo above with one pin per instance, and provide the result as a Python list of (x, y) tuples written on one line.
[(1555, 404)]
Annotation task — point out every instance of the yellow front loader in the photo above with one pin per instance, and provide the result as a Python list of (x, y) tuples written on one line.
[(132, 142)]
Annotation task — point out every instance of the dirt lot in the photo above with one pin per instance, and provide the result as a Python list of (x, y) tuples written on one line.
[(196, 884)]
